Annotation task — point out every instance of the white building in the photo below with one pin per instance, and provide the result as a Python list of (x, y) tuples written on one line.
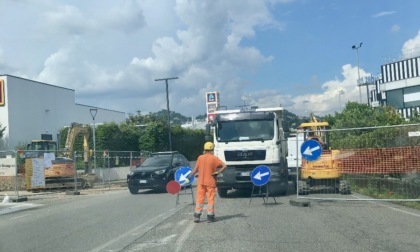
[(399, 86), (30, 108)]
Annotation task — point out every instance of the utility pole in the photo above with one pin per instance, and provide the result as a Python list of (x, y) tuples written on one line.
[(167, 106), (354, 47), (93, 112)]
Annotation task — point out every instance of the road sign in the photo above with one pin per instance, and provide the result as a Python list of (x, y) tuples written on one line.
[(311, 150), (182, 174), (260, 175), (173, 187)]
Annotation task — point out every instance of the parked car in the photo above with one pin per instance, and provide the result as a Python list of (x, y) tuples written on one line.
[(156, 171)]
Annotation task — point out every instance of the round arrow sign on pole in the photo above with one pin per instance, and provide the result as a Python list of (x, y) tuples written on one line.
[(182, 174), (311, 150), (260, 175)]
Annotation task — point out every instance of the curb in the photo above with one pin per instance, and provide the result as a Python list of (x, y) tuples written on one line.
[(299, 203)]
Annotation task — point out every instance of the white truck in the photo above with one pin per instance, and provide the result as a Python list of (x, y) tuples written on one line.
[(294, 157), (245, 139)]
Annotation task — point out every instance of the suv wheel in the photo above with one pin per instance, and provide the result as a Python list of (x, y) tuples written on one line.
[(133, 190), (222, 192)]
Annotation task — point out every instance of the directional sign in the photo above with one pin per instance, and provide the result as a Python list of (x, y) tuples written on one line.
[(311, 150), (260, 175), (182, 174)]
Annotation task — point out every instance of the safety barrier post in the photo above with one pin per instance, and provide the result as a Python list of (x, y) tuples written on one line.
[(18, 197), (16, 175), (75, 191), (109, 174)]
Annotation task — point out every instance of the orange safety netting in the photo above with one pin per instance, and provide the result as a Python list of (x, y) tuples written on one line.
[(380, 161)]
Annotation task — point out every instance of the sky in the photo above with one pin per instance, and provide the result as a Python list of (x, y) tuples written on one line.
[(268, 53)]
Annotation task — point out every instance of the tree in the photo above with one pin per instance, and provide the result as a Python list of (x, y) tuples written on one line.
[(190, 142), (357, 115), (154, 137)]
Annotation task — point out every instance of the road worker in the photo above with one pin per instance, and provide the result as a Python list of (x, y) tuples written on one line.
[(207, 167)]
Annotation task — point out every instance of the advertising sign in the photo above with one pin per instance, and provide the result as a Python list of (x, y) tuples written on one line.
[(7, 167), (212, 103), (2, 95)]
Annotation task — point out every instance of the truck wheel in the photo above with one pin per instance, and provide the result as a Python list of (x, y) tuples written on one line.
[(222, 192)]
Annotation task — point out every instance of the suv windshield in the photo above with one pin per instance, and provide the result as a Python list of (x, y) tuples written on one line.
[(229, 131), (158, 160)]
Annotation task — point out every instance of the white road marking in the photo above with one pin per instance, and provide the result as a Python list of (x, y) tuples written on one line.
[(398, 210), (21, 216), (152, 244), (145, 227), (180, 242), (392, 208), (182, 222)]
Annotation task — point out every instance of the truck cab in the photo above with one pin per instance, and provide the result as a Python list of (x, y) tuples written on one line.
[(245, 139), (43, 145)]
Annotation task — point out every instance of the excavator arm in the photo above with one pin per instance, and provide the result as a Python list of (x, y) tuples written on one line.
[(74, 130)]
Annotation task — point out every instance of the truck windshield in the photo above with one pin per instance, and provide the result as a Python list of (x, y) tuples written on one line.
[(249, 130)]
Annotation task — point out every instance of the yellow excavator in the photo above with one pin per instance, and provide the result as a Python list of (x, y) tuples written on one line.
[(61, 172), (323, 174)]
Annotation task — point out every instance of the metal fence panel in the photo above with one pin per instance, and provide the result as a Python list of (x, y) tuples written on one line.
[(379, 162)]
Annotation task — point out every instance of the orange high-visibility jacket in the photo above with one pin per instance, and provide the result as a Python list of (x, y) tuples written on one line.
[(207, 165)]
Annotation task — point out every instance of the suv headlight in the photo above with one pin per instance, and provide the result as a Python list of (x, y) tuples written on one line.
[(131, 173), (160, 172)]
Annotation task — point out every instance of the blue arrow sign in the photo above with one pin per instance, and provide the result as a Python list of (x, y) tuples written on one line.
[(260, 175), (311, 150), (182, 174)]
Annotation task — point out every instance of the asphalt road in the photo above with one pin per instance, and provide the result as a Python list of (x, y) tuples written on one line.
[(94, 221), (118, 221), (244, 225)]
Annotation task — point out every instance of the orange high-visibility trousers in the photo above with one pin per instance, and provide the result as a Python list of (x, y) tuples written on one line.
[(202, 190)]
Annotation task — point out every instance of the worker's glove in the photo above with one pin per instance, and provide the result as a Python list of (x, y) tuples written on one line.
[(215, 173), (186, 181)]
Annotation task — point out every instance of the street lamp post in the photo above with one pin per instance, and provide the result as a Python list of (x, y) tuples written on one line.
[(167, 106), (339, 96), (93, 113), (354, 47)]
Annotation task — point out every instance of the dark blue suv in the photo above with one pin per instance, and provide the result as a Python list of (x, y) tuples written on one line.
[(156, 171)]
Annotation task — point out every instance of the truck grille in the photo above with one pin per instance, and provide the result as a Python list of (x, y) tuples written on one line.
[(245, 155)]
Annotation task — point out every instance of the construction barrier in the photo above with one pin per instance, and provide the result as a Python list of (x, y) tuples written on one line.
[(374, 162), (58, 171)]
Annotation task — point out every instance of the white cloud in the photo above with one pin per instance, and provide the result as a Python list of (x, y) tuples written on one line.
[(112, 52), (323, 103), (127, 17), (205, 52), (383, 13), (411, 47), (395, 28)]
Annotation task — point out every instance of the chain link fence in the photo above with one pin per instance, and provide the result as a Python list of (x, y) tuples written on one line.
[(58, 171)]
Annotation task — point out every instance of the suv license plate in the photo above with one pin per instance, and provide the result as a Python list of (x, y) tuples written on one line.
[(245, 174), (143, 181)]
